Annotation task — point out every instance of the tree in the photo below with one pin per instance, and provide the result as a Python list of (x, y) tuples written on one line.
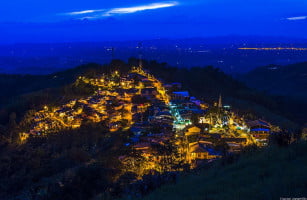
[(138, 99), (281, 139), (221, 146), (13, 134)]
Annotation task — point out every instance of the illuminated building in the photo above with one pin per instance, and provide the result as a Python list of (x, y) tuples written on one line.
[(260, 130)]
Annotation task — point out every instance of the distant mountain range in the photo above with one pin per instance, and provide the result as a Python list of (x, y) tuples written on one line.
[(220, 52)]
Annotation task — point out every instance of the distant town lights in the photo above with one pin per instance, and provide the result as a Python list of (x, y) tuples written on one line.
[(273, 48)]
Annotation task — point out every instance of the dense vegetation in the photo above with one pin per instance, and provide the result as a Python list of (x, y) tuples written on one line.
[(262, 174)]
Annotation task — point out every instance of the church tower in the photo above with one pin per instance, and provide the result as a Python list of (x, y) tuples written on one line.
[(220, 105)]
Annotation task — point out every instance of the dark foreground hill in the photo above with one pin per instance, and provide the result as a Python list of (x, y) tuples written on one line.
[(269, 174)]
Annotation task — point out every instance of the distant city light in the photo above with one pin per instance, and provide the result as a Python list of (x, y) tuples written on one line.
[(274, 49)]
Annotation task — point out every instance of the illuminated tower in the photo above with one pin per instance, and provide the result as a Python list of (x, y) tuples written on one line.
[(220, 105)]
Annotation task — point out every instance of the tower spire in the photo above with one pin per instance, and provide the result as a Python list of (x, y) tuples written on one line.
[(220, 105), (140, 55)]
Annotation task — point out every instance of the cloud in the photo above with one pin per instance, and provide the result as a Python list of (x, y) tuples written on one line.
[(83, 12), (140, 8), (92, 14), (297, 18)]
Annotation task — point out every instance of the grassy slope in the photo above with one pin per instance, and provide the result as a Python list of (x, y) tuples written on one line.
[(269, 174)]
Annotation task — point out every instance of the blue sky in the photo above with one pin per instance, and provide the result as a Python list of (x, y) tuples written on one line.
[(98, 20)]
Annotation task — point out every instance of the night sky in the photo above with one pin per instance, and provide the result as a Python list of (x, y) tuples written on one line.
[(99, 20)]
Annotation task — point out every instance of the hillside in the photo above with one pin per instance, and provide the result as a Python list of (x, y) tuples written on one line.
[(21, 93), (119, 130), (290, 80), (24, 92), (14, 85), (209, 83), (270, 174), (287, 83)]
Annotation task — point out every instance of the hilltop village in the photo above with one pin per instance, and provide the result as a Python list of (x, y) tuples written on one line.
[(171, 129)]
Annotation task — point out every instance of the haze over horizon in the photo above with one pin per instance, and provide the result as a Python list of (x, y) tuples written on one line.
[(93, 20)]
